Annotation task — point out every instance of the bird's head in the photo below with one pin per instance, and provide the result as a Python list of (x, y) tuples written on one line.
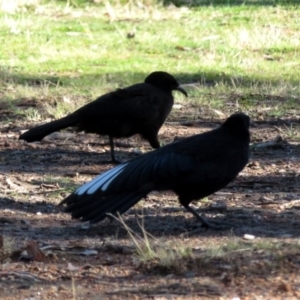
[(238, 123), (164, 81)]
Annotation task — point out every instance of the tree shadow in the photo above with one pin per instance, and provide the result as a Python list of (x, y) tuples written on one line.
[(13, 109), (196, 3), (122, 79)]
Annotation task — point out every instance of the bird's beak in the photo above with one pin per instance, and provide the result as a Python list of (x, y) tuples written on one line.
[(181, 90)]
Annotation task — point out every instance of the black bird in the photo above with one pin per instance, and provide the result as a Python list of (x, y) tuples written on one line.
[(138, 109), (193, 168)]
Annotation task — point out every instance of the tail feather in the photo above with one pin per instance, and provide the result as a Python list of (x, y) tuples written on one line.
[(39, 132), (89, 207), (120, 207), (96, 209), (99, 211), (76, 204), (126, 205)]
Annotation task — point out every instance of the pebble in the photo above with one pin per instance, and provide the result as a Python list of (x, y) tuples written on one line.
[(249, 237)]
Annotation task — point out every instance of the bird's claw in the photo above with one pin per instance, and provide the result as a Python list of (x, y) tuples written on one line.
[(221, 226)]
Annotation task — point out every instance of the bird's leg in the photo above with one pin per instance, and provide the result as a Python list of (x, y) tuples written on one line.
[(205, 223), (198, 217), (112, 151), (152, 139)]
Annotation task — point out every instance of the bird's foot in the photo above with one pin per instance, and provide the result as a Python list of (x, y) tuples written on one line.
[(208, 225), (216, 225)]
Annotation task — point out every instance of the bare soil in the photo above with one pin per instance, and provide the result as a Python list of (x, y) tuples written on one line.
[(99, 262)]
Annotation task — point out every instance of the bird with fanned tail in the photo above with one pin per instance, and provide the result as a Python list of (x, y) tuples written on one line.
[(193, 167)]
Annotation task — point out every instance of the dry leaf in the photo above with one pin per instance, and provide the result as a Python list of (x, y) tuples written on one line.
[(34, 252)]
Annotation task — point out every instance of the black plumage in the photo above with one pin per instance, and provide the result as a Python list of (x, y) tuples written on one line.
[(193, 168), (138, 109)]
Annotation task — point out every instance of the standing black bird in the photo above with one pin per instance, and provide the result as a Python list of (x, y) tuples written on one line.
[(138, 109), (193, 168)]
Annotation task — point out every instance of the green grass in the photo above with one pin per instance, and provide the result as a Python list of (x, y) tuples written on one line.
[(165, 256), (79, 49)]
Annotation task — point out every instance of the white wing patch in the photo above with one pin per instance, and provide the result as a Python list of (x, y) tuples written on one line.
[(105, 186), (102, 181)]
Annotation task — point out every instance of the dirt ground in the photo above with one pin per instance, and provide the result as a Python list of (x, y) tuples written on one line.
[(99, 262)]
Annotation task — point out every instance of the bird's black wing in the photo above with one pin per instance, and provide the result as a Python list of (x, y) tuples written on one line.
[(140, 101)]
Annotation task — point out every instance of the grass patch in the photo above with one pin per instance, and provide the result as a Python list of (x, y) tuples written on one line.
[(156, 255), (64, 185), (245, 257), (233, 254), (176, 256), (79, 49), (291, 132)]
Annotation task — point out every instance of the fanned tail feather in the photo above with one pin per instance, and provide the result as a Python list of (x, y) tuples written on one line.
[(95, 209)]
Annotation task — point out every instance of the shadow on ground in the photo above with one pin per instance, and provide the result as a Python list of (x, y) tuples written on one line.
[(159, 222), (126, 78)]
